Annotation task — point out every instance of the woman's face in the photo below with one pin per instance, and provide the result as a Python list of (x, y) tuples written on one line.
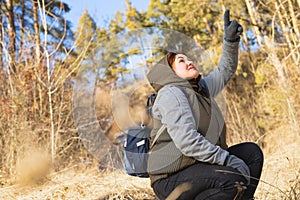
[(184, 67)]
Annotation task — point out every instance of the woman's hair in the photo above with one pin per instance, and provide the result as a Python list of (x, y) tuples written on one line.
[(171, 58)]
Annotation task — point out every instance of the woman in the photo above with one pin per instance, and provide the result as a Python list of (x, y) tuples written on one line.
[(193, 148)]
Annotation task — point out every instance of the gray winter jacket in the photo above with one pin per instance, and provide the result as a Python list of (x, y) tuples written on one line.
[(191, 135)]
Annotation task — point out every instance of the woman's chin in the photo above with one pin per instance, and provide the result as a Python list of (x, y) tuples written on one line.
[(195, 74)]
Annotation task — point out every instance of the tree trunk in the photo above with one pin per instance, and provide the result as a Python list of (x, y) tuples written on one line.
[(285, 33), (11, 35), (11, 69), (295, 33), (22, 30), (254, 17), (2, 77), (294, 18), (1, 44), (36, 31)]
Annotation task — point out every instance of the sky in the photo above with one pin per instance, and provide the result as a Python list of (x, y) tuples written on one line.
[(100, 10)]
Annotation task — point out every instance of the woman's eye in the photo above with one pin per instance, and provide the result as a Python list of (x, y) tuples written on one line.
[(181, 60)]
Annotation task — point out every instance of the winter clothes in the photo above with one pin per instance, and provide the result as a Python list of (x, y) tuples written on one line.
[(195, 125)]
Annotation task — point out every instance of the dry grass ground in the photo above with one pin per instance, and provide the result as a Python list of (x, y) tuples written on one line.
[(80, 183), (35, 180), (280, 179), (281, 172)]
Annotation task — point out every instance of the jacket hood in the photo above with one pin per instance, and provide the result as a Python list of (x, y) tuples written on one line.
[(162, 74)]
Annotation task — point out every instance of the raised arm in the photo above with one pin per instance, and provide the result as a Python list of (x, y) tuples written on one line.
[(219, 77)]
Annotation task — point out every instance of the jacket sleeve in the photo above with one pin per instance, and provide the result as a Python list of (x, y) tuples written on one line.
[(172, 108), (218, 78)]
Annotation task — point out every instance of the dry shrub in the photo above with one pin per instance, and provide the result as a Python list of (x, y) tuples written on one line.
[(262, 103), (33, 167), (259, 110), (103, 106), (117, 110), (23, 139)]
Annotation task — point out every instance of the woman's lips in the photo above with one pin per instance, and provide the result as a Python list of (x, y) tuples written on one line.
[(191, 67)]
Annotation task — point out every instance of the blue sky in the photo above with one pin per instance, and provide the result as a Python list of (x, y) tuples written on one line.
[(100, 10)]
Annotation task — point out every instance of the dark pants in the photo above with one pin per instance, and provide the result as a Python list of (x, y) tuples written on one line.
[(215, 182)]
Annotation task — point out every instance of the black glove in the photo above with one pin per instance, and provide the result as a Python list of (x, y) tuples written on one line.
[(238, 164), (232, 29)]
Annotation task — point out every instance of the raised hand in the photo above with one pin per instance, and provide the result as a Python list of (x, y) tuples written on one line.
[(232, 29)]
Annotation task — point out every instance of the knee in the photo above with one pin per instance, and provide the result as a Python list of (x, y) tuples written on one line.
[(235, 187), (229, 179), (256, 151)]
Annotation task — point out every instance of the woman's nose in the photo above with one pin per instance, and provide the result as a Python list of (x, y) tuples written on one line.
[(189, 62)]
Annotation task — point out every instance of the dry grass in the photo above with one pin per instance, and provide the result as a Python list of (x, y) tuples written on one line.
[(280, 180), (81, 183), (266, 114), (280, 177), (33, 167)]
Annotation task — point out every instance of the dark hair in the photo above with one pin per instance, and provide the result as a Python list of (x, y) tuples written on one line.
[(171, 58)]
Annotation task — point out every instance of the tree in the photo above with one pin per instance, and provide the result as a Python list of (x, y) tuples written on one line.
[(11, 34), (86, 36), (59, 29), (196, 19), (36, 37), (23, 20), (36, 31), (22, 28), (1, 40), (134, 19)]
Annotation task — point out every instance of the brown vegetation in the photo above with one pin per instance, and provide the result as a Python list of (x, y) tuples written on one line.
[(42, 152)]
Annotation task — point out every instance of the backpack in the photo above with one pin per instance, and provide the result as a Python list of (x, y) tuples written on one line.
[(137, 145)]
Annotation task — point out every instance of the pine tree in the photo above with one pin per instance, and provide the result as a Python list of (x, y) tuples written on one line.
[(85, 35)]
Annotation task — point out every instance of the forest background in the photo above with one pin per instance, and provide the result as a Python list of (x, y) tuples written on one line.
[(42, 152)]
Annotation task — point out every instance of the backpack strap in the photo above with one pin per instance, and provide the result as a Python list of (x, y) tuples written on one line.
[(150, 102), (159, 132), (151, 99)]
